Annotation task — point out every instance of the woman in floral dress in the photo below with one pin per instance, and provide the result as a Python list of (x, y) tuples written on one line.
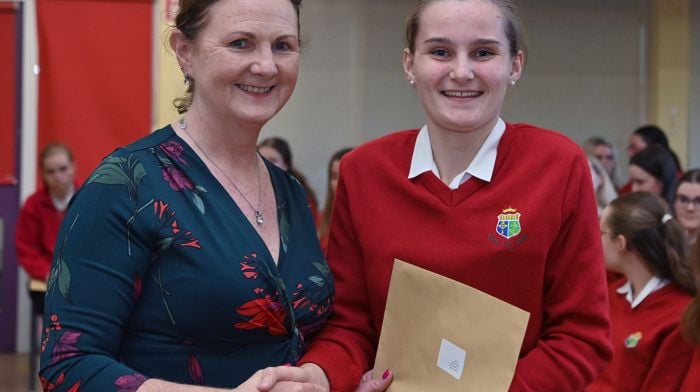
[(187, 260)]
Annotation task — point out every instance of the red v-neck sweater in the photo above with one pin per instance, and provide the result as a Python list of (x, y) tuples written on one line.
[(650, 353), (553, 268), (692, 379), (36, 232)]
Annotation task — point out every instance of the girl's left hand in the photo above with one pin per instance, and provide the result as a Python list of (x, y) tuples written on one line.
[(368, 384)]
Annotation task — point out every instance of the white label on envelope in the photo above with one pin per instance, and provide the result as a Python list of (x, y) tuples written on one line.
[(451, 359)]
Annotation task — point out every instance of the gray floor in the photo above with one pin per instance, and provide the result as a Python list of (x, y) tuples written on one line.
[(14, 373)]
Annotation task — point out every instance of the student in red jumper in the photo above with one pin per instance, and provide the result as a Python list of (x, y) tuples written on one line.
[(687, 203), (333, 173), (641, 138), (691, 325), (42, 213), (458, 197), (277, 151), (644, 243)]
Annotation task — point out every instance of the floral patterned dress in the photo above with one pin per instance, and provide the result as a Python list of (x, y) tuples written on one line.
[(157, 273)]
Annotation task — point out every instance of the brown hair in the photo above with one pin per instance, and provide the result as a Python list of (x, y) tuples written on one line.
[(190, 20), (53, 149), (644, 219), (690, 323), (660, 164), (330, 194), (692, 176), (513, 26)]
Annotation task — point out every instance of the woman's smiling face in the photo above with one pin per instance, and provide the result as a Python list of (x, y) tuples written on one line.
[(245, 60)]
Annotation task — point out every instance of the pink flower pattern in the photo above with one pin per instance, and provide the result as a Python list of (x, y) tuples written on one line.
[(129, 382), (173, 150), (176, 179)]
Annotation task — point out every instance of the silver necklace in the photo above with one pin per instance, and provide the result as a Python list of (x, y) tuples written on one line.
[(258, 211)]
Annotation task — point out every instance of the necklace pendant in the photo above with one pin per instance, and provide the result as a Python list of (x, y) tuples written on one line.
[(259, 217)]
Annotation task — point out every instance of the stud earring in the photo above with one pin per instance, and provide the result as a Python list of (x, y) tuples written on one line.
[(412, 82), (512, 83)]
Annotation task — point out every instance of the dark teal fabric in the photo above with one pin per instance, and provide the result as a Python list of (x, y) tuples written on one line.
[(158, 273)]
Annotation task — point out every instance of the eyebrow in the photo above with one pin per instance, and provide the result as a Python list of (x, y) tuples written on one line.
[(247, 34), (253, 36), (480, 41)]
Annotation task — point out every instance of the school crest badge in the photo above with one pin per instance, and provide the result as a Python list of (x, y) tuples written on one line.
[(633, 340), (508, 224)]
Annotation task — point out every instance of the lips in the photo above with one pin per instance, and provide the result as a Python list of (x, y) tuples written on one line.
[(254, 89), (462, 93)]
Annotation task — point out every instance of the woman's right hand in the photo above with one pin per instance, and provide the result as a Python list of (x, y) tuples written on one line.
[(286, 379), (309, 377)]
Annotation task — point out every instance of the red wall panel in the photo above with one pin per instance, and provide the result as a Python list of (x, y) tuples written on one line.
[(8, 92), (95, 75)]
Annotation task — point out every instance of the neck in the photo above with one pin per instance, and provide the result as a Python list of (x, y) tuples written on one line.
[(230, 143), (454, 151), (638, 275), (62, 193)]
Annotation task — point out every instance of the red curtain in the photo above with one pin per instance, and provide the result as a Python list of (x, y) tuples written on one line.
[(8, 92), (95, 75)]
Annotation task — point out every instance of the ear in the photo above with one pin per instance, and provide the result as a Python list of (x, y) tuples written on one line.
[(517, 66), (408, 64), (621, 243), (182, 47)]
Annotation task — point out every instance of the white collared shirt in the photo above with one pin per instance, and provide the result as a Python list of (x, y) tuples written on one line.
[(480, 167), (652, 285)]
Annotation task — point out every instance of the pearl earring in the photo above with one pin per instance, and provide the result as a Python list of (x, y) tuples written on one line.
[(512, 83), (412, 82)]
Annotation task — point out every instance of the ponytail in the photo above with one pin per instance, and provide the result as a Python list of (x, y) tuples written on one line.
[(676, 244), (659, 240)]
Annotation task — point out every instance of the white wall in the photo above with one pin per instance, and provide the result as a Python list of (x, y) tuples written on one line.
[(582, 77), (351, 88), (694, 123)]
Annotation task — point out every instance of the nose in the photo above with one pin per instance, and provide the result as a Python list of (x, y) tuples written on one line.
[(264, 63), (462, 68)]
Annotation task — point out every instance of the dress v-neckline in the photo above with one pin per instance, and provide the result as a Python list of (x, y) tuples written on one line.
[(220, 188)]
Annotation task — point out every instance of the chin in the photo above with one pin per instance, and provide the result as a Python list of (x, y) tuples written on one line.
[(256, 118)]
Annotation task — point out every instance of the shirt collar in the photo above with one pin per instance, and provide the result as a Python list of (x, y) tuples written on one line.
[(480, 167), (652, 285)]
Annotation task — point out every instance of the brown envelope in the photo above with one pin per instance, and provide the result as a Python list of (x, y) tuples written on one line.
[(442, 335)]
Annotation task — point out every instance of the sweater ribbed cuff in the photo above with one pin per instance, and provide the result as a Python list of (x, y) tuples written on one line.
[(343, 375)]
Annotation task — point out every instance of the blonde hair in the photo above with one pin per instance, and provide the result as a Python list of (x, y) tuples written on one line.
[(53, 149)]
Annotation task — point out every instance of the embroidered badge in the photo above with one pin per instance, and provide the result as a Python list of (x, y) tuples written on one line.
[(633, 340), (509, 223)]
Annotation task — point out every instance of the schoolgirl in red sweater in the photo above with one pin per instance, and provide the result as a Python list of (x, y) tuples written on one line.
[(505, 208), (645, 244), (42, 213)]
